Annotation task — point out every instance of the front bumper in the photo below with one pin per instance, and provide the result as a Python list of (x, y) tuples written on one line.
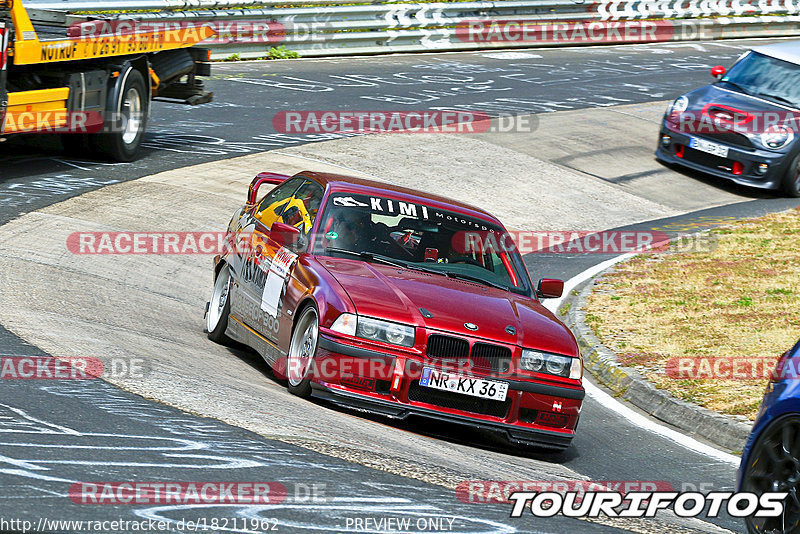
[(723, 167), (534, 413)]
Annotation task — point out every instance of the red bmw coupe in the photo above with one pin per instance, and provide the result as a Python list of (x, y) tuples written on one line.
[(396, 302)]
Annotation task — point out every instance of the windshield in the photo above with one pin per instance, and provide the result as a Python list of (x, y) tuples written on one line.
[(766, 77), (416, 236)]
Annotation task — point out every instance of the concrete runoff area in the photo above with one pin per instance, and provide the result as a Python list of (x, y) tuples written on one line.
[(617, 145)]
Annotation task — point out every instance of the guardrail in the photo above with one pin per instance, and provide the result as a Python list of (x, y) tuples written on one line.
[(248, 28)]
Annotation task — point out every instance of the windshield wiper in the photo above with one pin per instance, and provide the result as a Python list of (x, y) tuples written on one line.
[(426, 270), (369, 256), (737, 86), (477, 279), (779, 98)]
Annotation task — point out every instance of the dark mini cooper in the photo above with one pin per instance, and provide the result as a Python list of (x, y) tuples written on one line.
[(379, 298), (744, 127)]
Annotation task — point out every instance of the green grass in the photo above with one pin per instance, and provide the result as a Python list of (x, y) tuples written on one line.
[(738, 299)]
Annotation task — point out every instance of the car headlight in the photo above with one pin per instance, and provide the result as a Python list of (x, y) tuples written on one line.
[(374, 329), (777, 136), (554, 364), (345, 324), (678, 106), (394, 333)]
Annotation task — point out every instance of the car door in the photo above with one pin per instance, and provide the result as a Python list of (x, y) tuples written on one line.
[(301, 212), (250, 262)]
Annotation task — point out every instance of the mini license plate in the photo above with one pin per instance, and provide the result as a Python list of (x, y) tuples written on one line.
[(708, 147)]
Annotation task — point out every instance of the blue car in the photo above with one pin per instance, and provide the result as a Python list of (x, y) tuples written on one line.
[(745, 127), (771, 457)]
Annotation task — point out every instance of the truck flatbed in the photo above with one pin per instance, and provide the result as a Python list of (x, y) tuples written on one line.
[(52, 74)]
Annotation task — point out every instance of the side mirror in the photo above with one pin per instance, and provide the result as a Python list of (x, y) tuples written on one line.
[(261, 179), (550, 288), (284, 235), (718, 71)]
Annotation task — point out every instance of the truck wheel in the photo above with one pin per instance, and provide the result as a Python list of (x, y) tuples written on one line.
[(129, 106)]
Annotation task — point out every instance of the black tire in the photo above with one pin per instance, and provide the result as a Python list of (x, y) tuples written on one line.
[(132, 99), (219, 308), (302, 349), (774, 465), (790, 185), (171, 65)]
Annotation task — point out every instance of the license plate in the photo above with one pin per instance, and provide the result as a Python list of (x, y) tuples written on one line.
[(708, 147), (475, 387)]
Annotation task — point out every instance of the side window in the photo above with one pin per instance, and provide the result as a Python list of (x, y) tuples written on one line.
[(301, 211), (272, 206)]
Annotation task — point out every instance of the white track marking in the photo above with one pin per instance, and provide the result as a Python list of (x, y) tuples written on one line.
[(650, 425), (25, 415), (611, 403), (511, 55), (572, 283)]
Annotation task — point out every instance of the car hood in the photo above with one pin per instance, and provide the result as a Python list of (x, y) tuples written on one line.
[(712, 94), (400, 295)]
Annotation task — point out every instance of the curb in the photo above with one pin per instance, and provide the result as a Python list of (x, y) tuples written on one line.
[(627, 383)]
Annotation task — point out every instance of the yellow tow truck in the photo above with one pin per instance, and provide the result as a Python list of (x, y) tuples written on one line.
[(93, 88)]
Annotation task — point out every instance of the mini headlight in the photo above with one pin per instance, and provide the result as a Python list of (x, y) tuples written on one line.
[(776, 136), (678, 106), (394, 333)]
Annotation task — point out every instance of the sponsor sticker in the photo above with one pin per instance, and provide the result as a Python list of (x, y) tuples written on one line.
[(276, 280)]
